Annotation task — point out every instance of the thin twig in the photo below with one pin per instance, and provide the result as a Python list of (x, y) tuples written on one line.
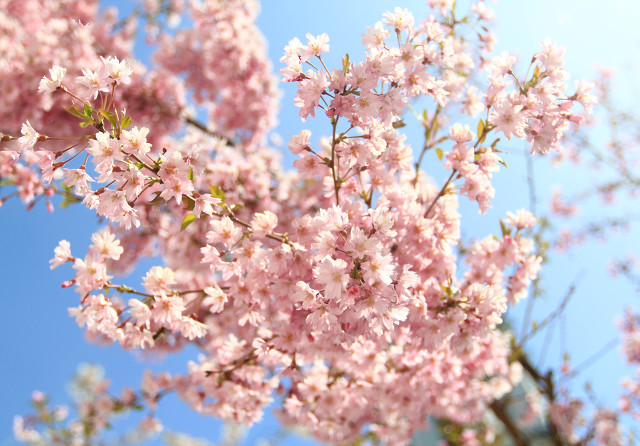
[(589, 361), (553, 315)]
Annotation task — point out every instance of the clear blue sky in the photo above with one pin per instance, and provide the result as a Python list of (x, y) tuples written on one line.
[(42, 346)]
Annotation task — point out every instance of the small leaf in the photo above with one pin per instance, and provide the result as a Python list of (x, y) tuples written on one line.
[(217, 192), (83, 124), (398, 124), (75, 111), (110, 117), (536, 72), (87, 111), (126, 122), (505, 229), (187, 220), (346, 64), (480, 128), (190, 174), (439, 153)]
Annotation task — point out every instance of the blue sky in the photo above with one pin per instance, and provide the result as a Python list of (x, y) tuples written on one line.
[(42, 346)]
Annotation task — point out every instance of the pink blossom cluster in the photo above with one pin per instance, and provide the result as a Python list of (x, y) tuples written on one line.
[(335, 285), (602, 426), (426, 59), (630, 328), (224, 62), (93, 405)]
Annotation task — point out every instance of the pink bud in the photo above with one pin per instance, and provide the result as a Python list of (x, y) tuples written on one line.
[(576, 119), (67, 283)]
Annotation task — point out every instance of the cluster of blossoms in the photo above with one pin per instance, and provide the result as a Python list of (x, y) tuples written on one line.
[(630, 327), (95, 408), (336, 284)]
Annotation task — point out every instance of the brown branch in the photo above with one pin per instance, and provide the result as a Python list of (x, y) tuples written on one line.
[(499, 411)]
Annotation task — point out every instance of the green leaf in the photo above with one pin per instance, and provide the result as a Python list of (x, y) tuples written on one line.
[(217, 192), (398, 124), (439, 153), (505, 229), (126, 122), (83, 124), (110, 117), (536, 73), (87, 111), (480, 128), (75, 111), (187, 220), (190, 174), (346, 64)]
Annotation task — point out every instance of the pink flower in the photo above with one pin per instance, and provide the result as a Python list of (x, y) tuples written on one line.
[(309, 91), (105, 150), (359, 245), (119, 71), (78, 179), (140, 311), (400, 19), (215, 299), (264, 223), (105, 245), (522, 219), (204, 204), (316, 45), (461, 134), (167, 310), (300, 142), (134, 141), (378, 268), (50, 84), (93, 83), (508, 119), (159, 280), (29, 136), (332, 273), (375, 37), (62, 254)]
